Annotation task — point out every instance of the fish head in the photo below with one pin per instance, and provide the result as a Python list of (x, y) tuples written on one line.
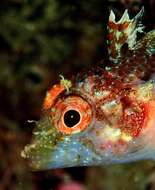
[(91, 122), (58, 138), (106, 115)]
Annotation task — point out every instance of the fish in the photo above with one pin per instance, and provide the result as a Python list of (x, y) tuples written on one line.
[(105, 115)]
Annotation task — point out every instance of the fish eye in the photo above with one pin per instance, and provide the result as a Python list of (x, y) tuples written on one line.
[(72, 115), (71, 118)]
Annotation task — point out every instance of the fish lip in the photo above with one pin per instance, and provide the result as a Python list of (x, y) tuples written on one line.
[(68, 153)]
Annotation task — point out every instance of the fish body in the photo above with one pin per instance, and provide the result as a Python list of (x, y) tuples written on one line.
[(106, 115)]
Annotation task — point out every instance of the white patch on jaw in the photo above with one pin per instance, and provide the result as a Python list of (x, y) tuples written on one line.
[(111, 133)]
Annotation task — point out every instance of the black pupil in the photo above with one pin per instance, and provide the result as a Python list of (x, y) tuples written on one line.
[(71, 118)]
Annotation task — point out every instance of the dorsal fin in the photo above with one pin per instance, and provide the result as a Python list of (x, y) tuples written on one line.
[(121, 32)]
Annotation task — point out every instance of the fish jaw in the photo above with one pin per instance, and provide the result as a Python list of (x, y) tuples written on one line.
[(68, 153), (51, 149)]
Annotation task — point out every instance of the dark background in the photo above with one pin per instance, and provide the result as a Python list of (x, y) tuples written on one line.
[(40, 39)]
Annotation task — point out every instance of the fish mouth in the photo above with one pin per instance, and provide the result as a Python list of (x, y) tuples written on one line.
[(44, 142), (67, 153)]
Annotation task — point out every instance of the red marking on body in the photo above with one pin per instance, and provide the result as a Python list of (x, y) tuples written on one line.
[(113, 25), (148, 132), (113, 49), (151, 113), (116, 26), (123, 26), (110, 36), (51, 96), (135, 118)]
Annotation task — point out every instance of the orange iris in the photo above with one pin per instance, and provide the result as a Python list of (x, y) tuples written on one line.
[(72, 115)]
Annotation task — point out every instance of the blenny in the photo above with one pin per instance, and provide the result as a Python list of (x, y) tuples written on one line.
[(106, 115)]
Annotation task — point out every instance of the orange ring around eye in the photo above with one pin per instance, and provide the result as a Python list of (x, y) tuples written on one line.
[(72, 103), (51, 95)]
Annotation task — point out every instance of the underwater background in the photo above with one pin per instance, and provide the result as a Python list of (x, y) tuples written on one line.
[(39, 40)]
